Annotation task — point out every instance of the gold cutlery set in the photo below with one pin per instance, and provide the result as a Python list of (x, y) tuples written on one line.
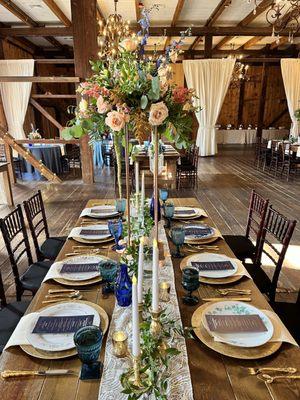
[(25, 374), (240, 295), (262, 374), (82, 250), (55, 295)]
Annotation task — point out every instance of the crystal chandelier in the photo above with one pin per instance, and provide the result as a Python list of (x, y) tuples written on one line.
[(111, 34), (240, 70)]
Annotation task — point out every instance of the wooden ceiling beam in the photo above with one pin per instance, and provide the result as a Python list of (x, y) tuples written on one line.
[(178, 9), (58, 12), (277, 43), (195, 43), (253, 41), (138, 10), (217, 12), (14, 9), (37, 31)]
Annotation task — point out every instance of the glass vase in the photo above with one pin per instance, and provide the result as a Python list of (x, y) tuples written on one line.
[(123, 287)]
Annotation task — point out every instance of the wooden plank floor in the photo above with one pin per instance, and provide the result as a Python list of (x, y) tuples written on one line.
[(224, 185)]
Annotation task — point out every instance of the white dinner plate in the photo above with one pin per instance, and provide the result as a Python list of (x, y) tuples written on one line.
[(108, 212), (78, 276), (92, 238), (59, 341), (207, 257), (241, 339), (178, 215)]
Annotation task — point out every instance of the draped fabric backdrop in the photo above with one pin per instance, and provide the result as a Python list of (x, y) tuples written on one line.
[(290, 69), (15, 95), (210, 79)]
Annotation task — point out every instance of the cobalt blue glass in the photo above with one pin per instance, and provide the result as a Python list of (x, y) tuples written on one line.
[(164, 194), (120, 205), (123, 287), (88, 341), (190, 282), (177, 235), (116, 229), (108, 270), (169, 213), (152, 202)]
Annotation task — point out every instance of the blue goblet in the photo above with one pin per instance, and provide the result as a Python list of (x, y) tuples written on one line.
[(177, 235), (169, 213), (120, 205), (190, 282), (163, 195), (88, 341), (108, 270), (116, 229)]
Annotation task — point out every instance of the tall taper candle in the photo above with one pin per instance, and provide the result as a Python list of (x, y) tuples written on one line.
[(143, 193), (137, 172), (136, 350), (155, 288), (140, 270)]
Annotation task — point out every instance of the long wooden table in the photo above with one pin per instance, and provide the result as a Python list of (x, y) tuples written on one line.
[(214, 377)]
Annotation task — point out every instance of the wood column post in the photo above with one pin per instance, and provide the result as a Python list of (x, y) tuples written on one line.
[(262, 100), (208, 46), (84, 23), (241, 103)]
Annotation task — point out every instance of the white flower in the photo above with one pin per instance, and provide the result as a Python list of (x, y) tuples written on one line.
[(83, 105), (158, 113)]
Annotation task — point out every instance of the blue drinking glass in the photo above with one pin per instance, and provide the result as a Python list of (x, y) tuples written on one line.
[(169, 213), (120, 205), (177, 235), (190, 282), (116, 229), (123, 287), (163, 195), (88, 341), (108, 270), (146, 145)]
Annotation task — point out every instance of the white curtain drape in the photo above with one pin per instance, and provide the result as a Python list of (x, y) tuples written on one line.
[(15, 95), (290, 69), (210, 79)]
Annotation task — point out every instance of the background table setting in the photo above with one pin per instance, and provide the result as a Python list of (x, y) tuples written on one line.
[(208, 290)]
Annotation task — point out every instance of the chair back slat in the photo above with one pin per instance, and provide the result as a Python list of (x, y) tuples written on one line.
[(16, 242), (3, 302), (34, 209), (280, 228)]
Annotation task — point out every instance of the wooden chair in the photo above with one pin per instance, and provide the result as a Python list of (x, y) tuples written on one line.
[(261, 153), (188, 169), (290, 164), (242, 245), (17, 244), (10, 315), (289, 314), (37, 221), (276, 157), (73, 157), (279, 228)]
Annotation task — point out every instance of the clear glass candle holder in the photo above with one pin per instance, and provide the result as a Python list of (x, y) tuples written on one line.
[(120, 344)]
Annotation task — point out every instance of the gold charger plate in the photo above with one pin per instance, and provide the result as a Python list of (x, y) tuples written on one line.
[(56, 355), (253, 353), (215, 281), (199, 214)]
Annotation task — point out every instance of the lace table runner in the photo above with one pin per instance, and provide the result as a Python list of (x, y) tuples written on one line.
[(180, 385)]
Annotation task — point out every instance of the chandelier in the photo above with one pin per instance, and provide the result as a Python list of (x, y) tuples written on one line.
[(240, 70), (111, 34), (281, 15)]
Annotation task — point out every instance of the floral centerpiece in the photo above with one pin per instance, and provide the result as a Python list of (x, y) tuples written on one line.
[(34, 134)]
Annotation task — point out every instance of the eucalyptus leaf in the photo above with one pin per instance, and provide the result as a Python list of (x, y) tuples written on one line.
[(144, 102)]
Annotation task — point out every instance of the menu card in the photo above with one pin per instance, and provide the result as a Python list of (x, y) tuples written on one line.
[(65, 324), (94, 232), (71, 268), (197, 231), (213, 265), (102, 211), (235, 323), (184, 212)]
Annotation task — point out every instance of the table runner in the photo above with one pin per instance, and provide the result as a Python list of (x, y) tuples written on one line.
[(180, 385)]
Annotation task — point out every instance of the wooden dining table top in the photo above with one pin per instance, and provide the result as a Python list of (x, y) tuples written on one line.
[(170, 153), (214, 376)]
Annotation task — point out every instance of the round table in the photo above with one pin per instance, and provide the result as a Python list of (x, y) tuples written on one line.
[(51, 156)]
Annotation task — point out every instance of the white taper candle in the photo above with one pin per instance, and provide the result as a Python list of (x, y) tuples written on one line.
[(155, 288), (136, 349), (140, 270)]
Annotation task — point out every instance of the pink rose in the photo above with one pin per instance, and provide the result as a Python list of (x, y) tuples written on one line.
[(158, 113), (115, 120), (180, 95), (102, 105)]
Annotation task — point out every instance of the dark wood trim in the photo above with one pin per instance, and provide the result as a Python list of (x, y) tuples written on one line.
[(262, 100), (178, 9), (196, 42), (208, 46), (53, 96), (45, 113), (58, 12), (54, 61), (277, 118), (37, 31), (241, 102), (217, 12), (253, 41), (275, 44), (40, 79), (17, 12)]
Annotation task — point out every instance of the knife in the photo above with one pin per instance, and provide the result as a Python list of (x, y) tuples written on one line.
[(226, 299), (50, 372)]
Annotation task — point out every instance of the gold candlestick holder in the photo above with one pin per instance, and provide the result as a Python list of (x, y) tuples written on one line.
[(138, 381), (155, 326), (140, 308)]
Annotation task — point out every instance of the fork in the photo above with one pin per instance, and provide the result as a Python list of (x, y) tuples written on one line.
[(256, 371), (224, 292)]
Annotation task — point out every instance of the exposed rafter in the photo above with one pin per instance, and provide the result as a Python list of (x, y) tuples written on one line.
[(253, 41), (195, 43), (58, 12), (277, 43), (217, 12), (138, 10), (14, 9), (178, 9)]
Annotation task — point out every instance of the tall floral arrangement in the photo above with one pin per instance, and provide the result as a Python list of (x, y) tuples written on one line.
[(136, 91)]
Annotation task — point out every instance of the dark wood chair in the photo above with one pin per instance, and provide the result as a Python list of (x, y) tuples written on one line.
[(279, 228), (242, 245), (37, 221), (16, 161), (261, 153), (289, 314), (276, 157), (72, 157), (290, 163), (188, 168), (10, 315), (17, 244)]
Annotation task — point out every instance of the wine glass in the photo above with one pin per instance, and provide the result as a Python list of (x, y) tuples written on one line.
[(169, 213), (163, 194), (108, 270), (88, 341), (116, 229), (177, 236), (120, 205), (190, 282)]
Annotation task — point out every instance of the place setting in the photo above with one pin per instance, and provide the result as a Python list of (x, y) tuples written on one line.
[(91, 234)]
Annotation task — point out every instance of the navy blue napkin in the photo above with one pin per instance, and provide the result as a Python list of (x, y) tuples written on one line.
[(198, 231), (71, 268), (213, 265), (65, 324), (93, 232)]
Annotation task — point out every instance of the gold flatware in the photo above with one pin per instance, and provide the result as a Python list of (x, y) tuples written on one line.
[(18, 374), (228, 298), (53, 291), (270, 379), (224, 292), (256, 371), (73, 294), (61, 299)]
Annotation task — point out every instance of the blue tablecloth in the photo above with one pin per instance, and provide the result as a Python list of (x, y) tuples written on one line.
[(49, 154), (98, 158)]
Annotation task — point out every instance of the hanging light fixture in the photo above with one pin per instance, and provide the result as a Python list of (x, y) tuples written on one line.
[(240, 70), (112, 33)]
